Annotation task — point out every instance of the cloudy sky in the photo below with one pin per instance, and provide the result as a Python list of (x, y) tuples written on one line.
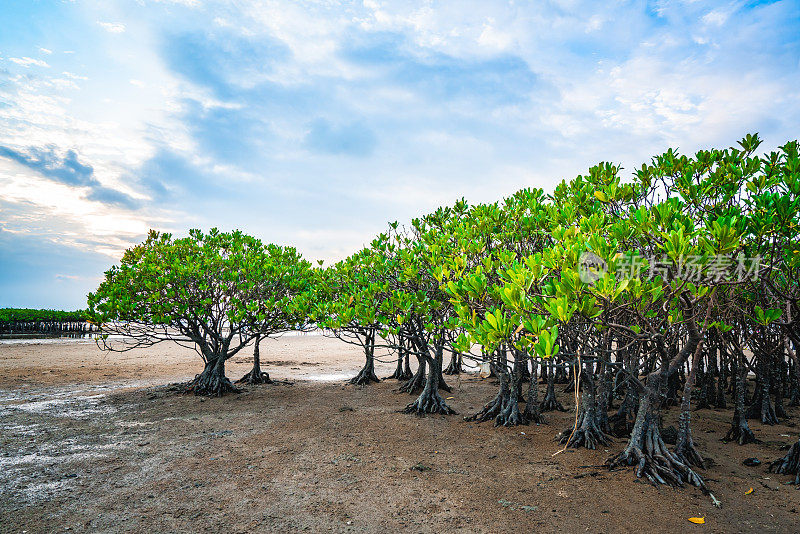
[(315, 123)]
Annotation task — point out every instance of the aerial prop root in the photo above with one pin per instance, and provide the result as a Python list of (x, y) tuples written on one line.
[(255, 378), (740, 433), (510, 415), (587, 435), (211, 386), (789, 464), (429, 402), (364, 377), (657, 463), (490, 410)]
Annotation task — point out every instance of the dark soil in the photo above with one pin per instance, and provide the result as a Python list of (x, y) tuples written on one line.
[(325, 457)]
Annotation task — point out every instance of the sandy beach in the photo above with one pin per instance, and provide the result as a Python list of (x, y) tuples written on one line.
[(98, 442), (81, 361)]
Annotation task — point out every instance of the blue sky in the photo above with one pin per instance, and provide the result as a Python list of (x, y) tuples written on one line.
[(315, 123)]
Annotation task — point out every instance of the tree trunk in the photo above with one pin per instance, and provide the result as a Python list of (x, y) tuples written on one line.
[(367, 373), (532, 412), (417, 381), (761, 405), (587, 431), (646, 450), (789, 464), (779, 374), (622, 421), (401, 372), (740, 430), (255, 376), (212, 381), (550, 402), (705, 375), (493, 408), (722, 376), (521, 366), (429, 401), (684, 448), (510, 414), (454, 368)]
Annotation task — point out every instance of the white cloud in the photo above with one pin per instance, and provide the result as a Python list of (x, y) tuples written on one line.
[(673, 81), (45, 51), (112, 27), (29, 62), (63, 214), (716, 17), (74, 76), (493, 38)]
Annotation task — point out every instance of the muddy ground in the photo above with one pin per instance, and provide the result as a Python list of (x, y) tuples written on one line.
[(91, 442)]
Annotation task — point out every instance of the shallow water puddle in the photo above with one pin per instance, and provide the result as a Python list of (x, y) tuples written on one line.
[(328, 377)]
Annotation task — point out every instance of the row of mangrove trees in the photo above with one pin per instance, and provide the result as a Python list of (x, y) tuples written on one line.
[(670, 288)]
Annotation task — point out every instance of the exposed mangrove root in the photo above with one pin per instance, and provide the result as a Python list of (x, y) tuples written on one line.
[(510, 414), (398, 371), (212, 381), (429, 401), (688, 453), (402, 371), (685, 450), (365, 376), (789, 464), (253, 378), (492, 408), (550, 402), (762, 408), (653, 461), (417, 382), (794, 398), (367, 373), (740, 431), (588, 434), (533, 413)]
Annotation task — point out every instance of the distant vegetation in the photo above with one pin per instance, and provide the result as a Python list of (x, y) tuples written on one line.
[(33, 321), (10, 315)]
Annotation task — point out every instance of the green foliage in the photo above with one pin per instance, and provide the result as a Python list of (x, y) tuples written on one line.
[(217, 289), (26, 315), (510, 273)]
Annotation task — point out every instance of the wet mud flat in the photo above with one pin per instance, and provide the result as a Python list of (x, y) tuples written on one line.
[(132, 454)]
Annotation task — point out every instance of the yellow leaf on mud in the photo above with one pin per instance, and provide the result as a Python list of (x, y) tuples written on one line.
[(748, 492), (448, 398), (697, 520)]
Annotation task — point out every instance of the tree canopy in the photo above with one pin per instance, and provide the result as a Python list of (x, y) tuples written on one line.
[(216, 291)]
